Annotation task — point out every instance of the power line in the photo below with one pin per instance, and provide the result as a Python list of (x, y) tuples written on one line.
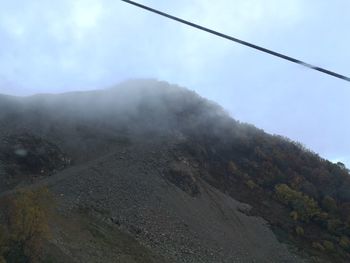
[(242, 42)]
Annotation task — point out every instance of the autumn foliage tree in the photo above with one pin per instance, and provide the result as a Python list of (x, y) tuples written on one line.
[(305, 207), (25, 224), (3, 246)]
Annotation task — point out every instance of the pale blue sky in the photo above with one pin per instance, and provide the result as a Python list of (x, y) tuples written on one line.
[(62, 45)]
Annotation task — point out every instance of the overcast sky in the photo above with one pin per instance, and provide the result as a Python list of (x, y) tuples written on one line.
[(62, 45)]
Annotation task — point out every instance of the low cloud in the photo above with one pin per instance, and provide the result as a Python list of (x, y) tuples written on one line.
[(85, 43)]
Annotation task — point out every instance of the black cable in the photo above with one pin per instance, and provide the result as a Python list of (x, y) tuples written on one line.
[(271, 52)]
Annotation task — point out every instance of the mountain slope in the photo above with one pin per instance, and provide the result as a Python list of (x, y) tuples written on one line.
[(163, 168)]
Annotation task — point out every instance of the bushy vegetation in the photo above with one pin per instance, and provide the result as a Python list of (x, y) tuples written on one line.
[(24, 225), (305, 208)]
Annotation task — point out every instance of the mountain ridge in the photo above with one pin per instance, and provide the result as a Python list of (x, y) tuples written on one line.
[(156, 161)]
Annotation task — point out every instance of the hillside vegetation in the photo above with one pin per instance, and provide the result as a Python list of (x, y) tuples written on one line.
[(305, 198)]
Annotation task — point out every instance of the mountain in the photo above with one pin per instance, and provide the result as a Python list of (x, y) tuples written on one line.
[(151, 172)]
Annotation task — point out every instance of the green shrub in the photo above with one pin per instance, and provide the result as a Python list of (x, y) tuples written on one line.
[(333, 225), (329, 204), (318, 246), (328, 245), (251, 184), (232, 168), (344, 242), (299, 230), (294, 215)]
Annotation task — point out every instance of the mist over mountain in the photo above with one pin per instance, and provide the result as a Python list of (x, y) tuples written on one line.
[(152, 172)]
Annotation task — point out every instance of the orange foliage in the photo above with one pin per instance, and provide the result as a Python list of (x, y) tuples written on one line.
[(26, 216)]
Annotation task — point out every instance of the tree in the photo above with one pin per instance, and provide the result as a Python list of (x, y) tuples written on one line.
[(329, 204), (26, 217), (3, 241), (299, 230), (306, 207), (333, 225), (294, 215), (328, 245), (341, 165), (344, 242), (251, 184)]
